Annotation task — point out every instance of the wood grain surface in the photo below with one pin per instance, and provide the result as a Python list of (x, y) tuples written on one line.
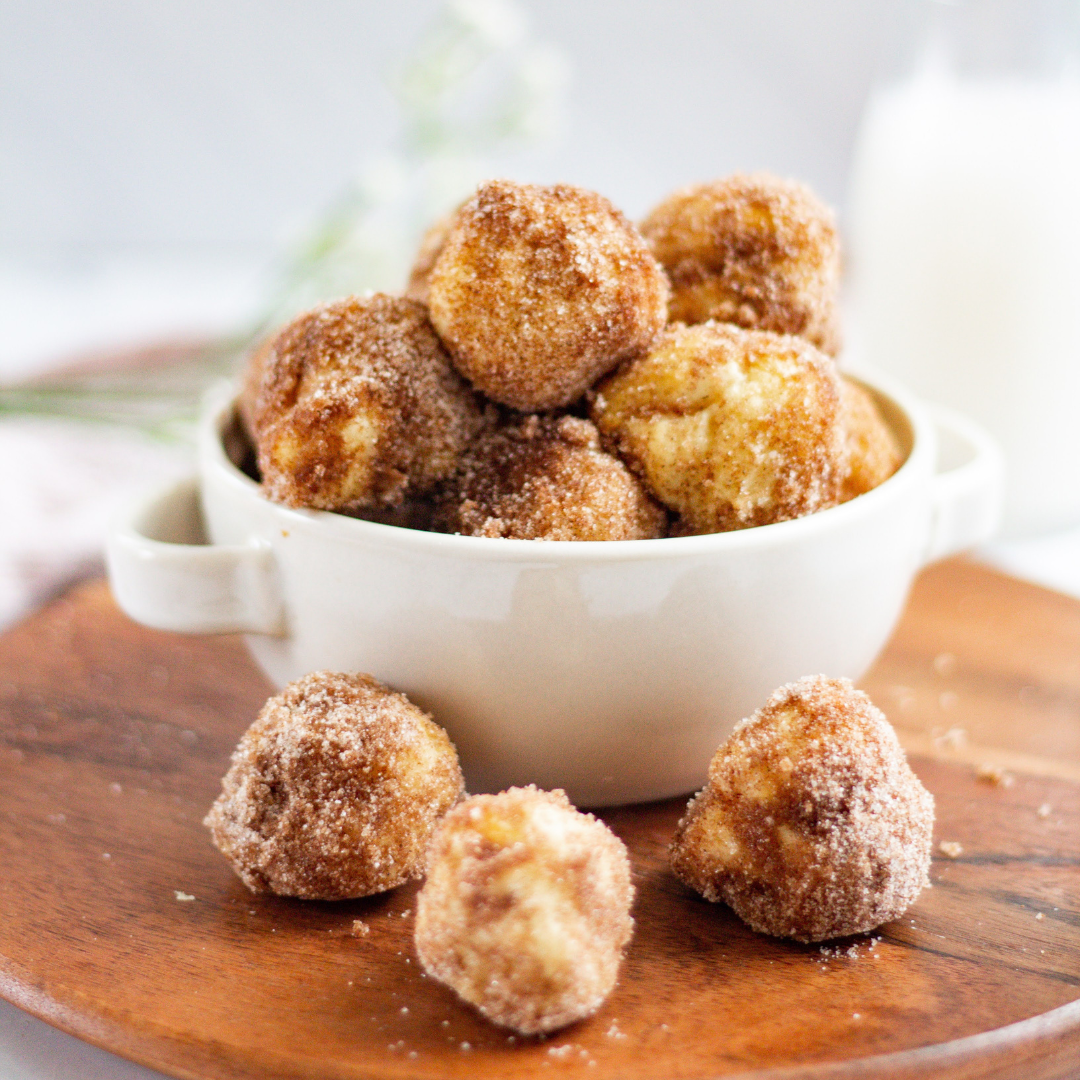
[(121, 924)]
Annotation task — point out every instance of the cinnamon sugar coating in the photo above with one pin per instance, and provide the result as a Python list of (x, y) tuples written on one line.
[(812, 824), (546, 478), (729, 428), (538, 291), (753, 250), (525, 912), (357, 406), (526, 909), (335, 790), (873, 451)]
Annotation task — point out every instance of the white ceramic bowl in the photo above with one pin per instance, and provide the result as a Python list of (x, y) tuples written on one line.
[(612, 670)]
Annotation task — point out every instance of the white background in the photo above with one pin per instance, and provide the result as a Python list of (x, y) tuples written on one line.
[(210, 123)]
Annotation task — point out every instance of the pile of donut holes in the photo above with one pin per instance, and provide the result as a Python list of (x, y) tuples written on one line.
[(552, 372)]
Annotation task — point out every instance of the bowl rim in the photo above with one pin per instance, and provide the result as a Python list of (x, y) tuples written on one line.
[(219, 410)]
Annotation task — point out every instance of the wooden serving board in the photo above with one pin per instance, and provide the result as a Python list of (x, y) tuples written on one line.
[(121, 924)]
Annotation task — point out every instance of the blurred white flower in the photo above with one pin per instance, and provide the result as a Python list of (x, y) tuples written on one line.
[(380, 180), (501, 24), (536, 105)]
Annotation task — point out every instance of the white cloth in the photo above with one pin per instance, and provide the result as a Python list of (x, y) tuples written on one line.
[(62, 483), (32, 1050)]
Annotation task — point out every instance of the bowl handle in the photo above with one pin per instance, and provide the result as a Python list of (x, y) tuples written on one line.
[(164, 574), (967, 489)]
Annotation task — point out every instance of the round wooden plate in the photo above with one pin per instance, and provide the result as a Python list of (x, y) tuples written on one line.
[(121, 924)]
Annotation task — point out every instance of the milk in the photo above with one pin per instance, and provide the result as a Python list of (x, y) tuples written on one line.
[(965, 231)]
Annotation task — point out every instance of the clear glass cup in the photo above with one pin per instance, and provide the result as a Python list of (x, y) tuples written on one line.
[(965, 236)]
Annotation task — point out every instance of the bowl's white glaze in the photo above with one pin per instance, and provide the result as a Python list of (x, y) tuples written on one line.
[(612, 670)]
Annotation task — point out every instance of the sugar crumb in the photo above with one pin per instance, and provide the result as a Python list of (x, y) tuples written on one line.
[(944, 663), (183, 897), (951, 849), (953, 739), (904, 696), (996, 775)]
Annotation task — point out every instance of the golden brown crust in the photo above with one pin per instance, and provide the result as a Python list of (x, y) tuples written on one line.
[(729, 428), (526, 909), (538, 291), (753, 250), (812, 824), (358, 407), (546, 478), (873, 451), (335, 790)]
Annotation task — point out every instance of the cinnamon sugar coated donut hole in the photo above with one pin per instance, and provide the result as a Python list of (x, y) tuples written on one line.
[(729, 428), (753, 250), (873, 452), (357, 406), (546, 478), (335, 790), (812, 824), (526, 909), (538, 291)]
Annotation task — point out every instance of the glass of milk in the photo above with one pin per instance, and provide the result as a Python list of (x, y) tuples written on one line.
[(965, 237)]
